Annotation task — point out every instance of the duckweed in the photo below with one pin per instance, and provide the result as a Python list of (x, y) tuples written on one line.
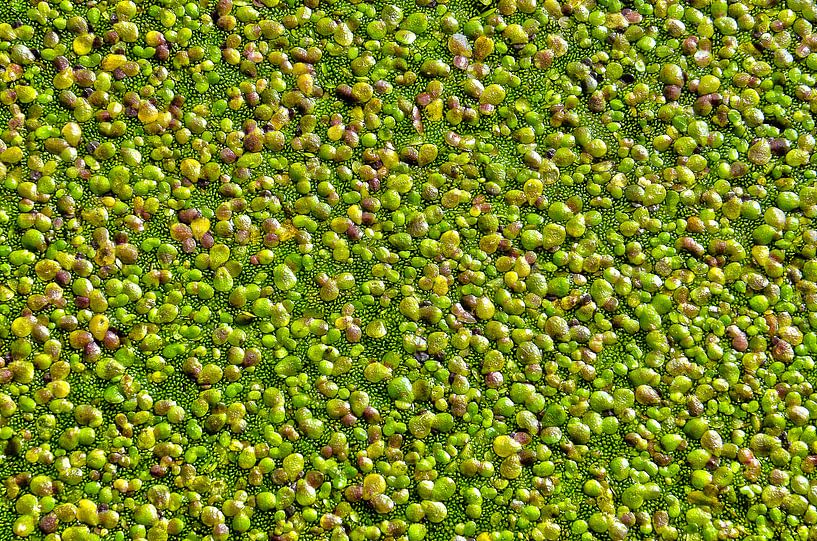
[(447, 270)]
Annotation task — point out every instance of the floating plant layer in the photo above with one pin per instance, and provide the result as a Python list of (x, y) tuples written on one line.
[(456, 271)]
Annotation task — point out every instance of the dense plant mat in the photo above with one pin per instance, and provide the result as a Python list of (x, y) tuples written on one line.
[(456, 271)]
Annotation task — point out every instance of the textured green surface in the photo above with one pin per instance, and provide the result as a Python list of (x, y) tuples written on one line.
[(351, 271)]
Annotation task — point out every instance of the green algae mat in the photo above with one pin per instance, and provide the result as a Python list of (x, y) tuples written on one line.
[(465, 270)]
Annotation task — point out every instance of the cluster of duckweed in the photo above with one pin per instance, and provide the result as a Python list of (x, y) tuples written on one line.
[(462, 270)]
